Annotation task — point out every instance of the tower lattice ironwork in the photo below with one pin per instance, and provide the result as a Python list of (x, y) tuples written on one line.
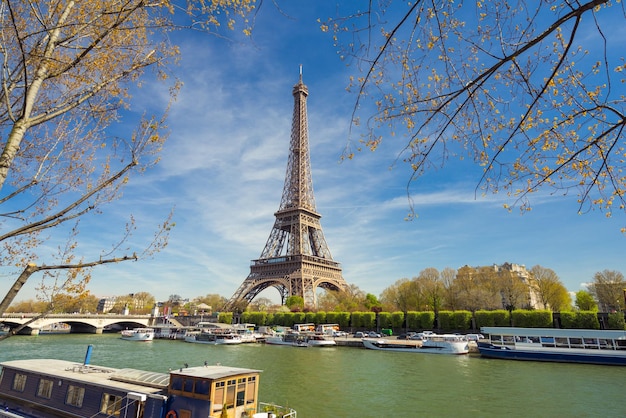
[(296, 259)]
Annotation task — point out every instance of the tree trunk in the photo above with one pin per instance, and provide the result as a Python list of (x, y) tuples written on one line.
[(12, 293)]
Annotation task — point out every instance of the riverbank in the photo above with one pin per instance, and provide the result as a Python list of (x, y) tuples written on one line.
[(349, 382)]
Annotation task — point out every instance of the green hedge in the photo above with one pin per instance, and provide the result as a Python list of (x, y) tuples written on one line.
[(417, 321), (616, 321), (363, 320), (341, 318), (532, 319), (384, 320), (580, 320), (497, 318), (397, 320), (257, 318)]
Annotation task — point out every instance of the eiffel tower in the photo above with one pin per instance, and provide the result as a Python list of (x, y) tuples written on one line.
[(296, 259)]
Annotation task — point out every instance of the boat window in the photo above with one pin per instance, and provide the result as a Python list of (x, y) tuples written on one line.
[(188, 385), (591, 343), (218, 396), (241, 395), (45, 388), (251, 390), (230, 393), (523, 339), (19, 382), (534, 340), (177, 383), (547, 341), (496, 339), (111, 405), (621, 344), (576, 342), (561, 342), (75, 396), (509, 339), (606, 344), (202, 387)]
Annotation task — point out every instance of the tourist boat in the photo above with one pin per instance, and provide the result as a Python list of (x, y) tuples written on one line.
[(215, 338), (556, 345), (58, 388), (288, 338), (138, 334), (436, 343), (247, 333), (316, 340)]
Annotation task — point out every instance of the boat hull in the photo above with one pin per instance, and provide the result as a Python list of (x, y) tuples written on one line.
[(213, 341), (319, 343), (432, 347), (290, 339)]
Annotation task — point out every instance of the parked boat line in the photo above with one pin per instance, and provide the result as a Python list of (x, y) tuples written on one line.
[(555, 345)]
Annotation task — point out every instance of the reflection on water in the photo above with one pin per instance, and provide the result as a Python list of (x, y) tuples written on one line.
[(350, 382)]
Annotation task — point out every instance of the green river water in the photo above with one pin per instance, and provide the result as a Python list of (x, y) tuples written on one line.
[(354, 382)]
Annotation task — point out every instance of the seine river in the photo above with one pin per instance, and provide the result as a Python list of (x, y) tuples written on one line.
[(354, 382)]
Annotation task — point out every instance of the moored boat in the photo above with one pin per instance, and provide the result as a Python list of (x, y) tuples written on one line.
[(436, 344), (247, 333), (137, 334), (222, 338), (287, 338), (54, 388), (316, 340), (555, 345)]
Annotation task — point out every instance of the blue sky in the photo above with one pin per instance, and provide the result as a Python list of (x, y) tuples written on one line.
[(223, 170)]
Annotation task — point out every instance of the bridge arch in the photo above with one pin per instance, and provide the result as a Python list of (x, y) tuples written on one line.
[(79, 323)]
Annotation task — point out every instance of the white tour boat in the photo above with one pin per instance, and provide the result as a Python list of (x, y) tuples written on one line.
[(436, 343), (215, 338), (556, 345), (316, 340), (138, 334), (288, 338)]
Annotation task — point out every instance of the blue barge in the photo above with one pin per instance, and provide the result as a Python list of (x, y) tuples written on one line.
[(555, 345), (49, 388)]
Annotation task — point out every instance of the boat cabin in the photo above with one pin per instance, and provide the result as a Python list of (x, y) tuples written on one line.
[(205, 391)]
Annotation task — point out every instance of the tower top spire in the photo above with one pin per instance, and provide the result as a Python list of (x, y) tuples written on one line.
[(301, 73)]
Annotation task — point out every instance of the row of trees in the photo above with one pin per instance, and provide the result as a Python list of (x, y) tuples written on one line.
[(472, 288), (469, 288)]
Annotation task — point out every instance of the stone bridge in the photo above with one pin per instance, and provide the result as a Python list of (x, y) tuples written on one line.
[(78, 323)]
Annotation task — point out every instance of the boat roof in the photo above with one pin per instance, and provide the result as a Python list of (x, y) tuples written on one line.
[(123, 379), (214, 372), (555, 332), (126, 379)]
